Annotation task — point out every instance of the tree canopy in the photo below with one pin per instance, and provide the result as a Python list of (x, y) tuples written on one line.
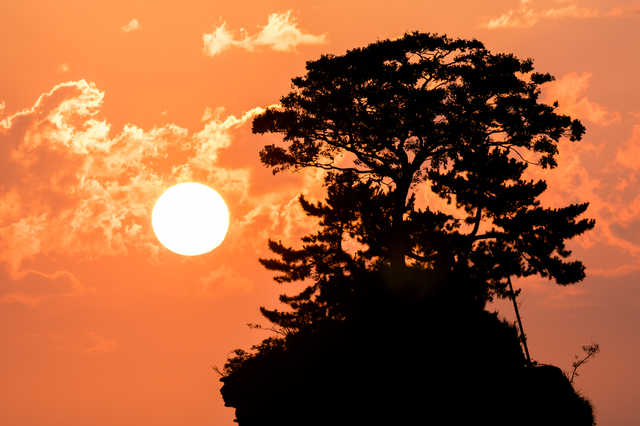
[(425, 112)]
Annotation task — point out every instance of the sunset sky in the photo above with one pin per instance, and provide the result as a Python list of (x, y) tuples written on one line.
[(106, 104)]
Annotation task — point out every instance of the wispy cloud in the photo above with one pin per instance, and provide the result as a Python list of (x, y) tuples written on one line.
[(281, 33), (63, 67), (31, 287), (629, 154), (131, 26), (523, 17), (527, 16), (98, 344), (571, 11), (625, 11), (552, 295), (569, 91), (224, 281), (611, 193), (220, 40), (85, 341)]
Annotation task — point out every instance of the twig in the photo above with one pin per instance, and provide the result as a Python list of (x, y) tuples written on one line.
[(281, 330), (591, 351)]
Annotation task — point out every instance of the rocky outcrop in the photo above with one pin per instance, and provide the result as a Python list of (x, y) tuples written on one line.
[(431, 363)]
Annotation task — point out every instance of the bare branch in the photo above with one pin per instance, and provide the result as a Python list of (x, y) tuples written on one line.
[(591, 351)]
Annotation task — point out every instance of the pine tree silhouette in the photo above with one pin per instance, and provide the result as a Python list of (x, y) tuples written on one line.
[(392, 328)]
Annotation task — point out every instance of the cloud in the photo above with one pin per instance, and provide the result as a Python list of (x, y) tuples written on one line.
[(224, 281), (628, 155), (526, 16), (85, 342), (131, 26), (571, 11), (99, 344), (573, 183), (625, 11), (552, 295), (219, 40), (539, 291), (72, 187), (569, 92), (281, 33), (67, 186), (33, 287), (624, 225), (215, 136), (616, 271), (612, 248), (63, 67)]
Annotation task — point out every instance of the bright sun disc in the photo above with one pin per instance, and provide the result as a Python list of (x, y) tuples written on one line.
[(190, 219)]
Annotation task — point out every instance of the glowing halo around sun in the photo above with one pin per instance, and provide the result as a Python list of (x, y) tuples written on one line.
[(190, 219)]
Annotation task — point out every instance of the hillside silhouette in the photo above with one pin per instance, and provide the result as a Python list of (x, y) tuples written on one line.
[(392, 327), (403, 359)]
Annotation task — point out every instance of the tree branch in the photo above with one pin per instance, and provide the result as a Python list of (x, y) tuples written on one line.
[(476, 225), (419, 258)]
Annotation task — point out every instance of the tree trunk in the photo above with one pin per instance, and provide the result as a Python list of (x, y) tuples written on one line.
[(398, 246), (398, 233)]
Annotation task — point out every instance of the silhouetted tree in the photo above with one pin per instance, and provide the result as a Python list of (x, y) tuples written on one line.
[(393, 284), (424, 111)]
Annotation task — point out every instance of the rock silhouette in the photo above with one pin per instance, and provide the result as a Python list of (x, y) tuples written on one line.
[(403, 360)]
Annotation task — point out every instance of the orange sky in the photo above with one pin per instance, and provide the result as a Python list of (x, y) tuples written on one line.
[(105, 104)]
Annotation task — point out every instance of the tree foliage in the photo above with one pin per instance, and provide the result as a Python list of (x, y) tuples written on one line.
[(421, 113)]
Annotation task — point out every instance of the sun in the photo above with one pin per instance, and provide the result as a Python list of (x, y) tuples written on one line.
[(190, 219)]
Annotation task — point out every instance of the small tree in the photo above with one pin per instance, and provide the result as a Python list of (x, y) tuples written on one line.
[(591, 351)]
